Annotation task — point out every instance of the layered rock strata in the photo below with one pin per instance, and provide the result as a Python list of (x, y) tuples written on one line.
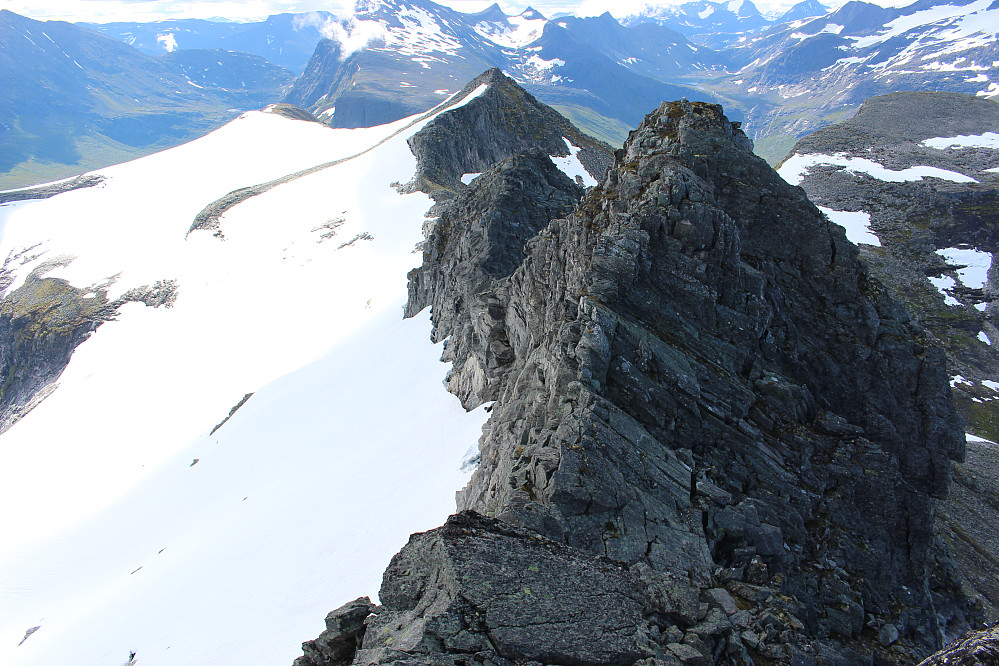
[(705, 410)]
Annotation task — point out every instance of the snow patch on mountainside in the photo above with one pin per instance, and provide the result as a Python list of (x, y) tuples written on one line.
[(830, 28), (180, 545), (857, 225), (793, 170), (943, 284), (973, 18), (515, 33), (973, 265), (419, 34), (986, 140), (571, 166)]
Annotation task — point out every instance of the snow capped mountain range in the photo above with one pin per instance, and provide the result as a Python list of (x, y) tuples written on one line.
[(811, 72), (783, 77), (395, 57), (706, 21)]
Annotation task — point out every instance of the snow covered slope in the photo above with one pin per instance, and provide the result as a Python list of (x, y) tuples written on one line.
[(129, 524)]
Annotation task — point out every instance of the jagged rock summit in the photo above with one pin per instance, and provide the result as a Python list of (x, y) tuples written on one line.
[(503, 120), (715, 438)]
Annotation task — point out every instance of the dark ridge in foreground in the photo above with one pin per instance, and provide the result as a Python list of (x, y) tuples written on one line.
[(715, 438)]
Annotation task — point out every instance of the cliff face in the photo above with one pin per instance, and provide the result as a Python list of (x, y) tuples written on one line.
[(503, 120), (715, 438), (919, 167)]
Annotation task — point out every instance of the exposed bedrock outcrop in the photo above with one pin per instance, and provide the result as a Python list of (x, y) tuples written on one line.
[(472, 248), (700, 394), (976, 648), (503, 120), (926, 228), (43, 321)]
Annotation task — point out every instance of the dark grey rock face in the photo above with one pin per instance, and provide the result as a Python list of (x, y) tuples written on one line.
[(49, 191), (699, 386), (504, 120), (344, 632), (477, 241), (41, 323), (914, 219), (480, 589)]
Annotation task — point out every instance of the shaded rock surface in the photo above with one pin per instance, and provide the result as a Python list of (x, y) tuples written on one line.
[(913, 220), (505, 119), (484, 590), (42, 322), (696, 383), (344, 632), (478, 240)]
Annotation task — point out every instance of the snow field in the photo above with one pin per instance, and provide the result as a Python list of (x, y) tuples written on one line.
[(297, 503)]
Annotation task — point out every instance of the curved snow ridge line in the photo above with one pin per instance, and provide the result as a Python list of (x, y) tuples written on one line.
[(209, 217), (50, 189)]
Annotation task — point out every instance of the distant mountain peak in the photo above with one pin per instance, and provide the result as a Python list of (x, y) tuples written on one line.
[(804, 9)]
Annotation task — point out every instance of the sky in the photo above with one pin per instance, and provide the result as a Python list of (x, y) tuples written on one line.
[(104, 11)]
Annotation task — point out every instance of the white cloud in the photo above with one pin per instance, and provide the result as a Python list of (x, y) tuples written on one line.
[(168, 41), (351, 34)]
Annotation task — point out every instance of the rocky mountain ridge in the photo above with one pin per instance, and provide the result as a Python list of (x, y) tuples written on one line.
[(675, 365), (919, 170)]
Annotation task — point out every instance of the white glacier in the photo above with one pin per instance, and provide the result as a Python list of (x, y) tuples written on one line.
[(348, 444)]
